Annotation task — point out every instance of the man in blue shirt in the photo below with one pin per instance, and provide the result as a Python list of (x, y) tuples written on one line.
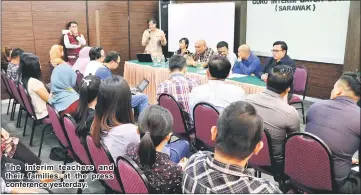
[(247, 62), (111, 62)]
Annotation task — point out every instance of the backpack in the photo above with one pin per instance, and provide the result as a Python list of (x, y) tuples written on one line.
[(178, 150)]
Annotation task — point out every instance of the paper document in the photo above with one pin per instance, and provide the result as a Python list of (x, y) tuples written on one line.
[(356, 169), (236, 75), (202, 71)]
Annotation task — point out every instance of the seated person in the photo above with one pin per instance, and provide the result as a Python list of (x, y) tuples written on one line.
[(113, 119), (183, 47), (63, 96), (216, 91), (247, 63), (88, 93), (178, 85), (337, 123), (5, 58), (31, 78), (13, 66), (280, 57), (56, 55), (111, 62), (222, 49), (83, 60), (237, 137), (279, 118), (96, 55), (155, 128), (202, 54)]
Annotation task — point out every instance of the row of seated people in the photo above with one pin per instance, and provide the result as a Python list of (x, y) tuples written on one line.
[(269, 104)]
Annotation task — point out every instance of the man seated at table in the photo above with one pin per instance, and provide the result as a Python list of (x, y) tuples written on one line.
[(222, 49), (96, 55), (111, 62), (237, 138), (337, 123), (216, 91), (202, 54), (247, 63), (279, 118), (178, 85)]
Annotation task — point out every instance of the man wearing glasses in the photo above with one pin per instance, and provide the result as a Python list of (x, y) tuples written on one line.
[(280, 57)]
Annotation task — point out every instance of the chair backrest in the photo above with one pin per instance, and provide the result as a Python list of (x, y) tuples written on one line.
[(74, 140), (300, 80), (27, 100), (57, 126), (15, 91), (308, 162), (168, 102), (6, 83), (133, 179), (101, 157), (264, 157), (205, 116)]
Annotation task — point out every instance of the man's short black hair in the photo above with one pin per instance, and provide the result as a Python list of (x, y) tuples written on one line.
[(222, 44), (95, 53), (280, 78), (282, 44), (352, 79), (177, 62), (219, 67), (71, 22), (151, 20), (112, 56), (239, 130), (17, 52)]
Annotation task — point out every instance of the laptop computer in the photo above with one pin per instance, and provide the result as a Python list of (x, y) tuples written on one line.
[(141, 86), (144, 57)]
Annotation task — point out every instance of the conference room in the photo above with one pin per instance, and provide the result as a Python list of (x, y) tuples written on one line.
[(180, 97)]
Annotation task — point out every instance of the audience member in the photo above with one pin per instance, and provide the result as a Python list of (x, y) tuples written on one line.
[(280, 119), (56, 55), (83, 60), (222, 49), (13, 65), (237, 137), (97, 56), (337, 123), (73, 41), (114, 117), (155, 129), (216, 91), (247, 63), (112, 60), (280, 57), (153, 39), (5, 58), (202, 54), (31, 78), (88, 93), (183, 47), (63, 96)]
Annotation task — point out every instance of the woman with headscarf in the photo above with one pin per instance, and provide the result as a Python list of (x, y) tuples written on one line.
[(83, 60), (63, 96), (56, 55)]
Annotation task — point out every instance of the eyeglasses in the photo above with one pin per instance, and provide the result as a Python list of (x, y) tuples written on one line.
[(276, 51)]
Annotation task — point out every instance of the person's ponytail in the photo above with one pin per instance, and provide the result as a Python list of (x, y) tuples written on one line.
[(147, 151), (82, 110)]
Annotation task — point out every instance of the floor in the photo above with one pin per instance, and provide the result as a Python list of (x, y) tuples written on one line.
[(50, 141)]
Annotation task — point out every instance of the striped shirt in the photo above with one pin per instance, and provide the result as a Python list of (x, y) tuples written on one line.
[(12, 71), (203, 174), (179, 87)]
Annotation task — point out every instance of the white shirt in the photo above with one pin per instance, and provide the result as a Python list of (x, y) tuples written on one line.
[(216, 92), (232, 57), (39, 104), (118, 138), (80, 38), (92, 67)]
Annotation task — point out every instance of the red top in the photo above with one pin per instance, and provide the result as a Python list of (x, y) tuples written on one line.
[(71, 109)]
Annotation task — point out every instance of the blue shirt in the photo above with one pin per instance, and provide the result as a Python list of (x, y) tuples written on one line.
[(250, 66), (103, 73), (337, 123)]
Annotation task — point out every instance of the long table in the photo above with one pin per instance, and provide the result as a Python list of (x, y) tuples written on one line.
[(135, 71)]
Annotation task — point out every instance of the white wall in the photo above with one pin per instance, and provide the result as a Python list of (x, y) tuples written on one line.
[(213, 22), (317, 35)]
